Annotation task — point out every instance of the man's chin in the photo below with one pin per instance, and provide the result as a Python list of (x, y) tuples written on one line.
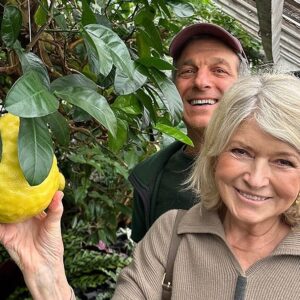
[(197, 125)]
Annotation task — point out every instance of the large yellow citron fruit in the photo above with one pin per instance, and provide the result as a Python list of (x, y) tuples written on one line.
[(19, 200)]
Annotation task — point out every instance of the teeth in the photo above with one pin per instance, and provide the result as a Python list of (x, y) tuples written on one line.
[(252, 197), (203, 102)]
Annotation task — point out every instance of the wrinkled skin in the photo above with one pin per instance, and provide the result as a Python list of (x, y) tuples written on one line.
[(37, 248)]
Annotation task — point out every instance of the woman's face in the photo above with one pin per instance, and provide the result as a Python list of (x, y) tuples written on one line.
[(257, 175)]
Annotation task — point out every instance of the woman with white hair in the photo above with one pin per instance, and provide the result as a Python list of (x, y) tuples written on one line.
[(241, 242)]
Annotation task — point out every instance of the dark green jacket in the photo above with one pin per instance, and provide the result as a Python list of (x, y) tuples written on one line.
[(145, 178)]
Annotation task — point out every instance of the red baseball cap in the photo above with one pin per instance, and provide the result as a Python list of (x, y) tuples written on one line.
[(181, 39)]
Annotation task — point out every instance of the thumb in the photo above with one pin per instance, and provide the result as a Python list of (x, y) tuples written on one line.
[(55, 209)]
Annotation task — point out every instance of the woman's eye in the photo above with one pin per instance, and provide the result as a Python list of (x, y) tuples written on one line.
[(285, 163), (239, 152)]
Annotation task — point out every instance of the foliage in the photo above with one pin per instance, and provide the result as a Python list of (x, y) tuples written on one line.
[(92, 268), (95, 75)]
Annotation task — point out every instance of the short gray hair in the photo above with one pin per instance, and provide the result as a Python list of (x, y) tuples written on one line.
[(273, 101)]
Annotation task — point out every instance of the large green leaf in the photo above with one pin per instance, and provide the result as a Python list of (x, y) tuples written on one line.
[(142, 43), (127, 83), (11, 25), (59, 127), (29, 61), (174, 132), (111, 49), (35, 150), (41, 14), (155, 62), (171, 97), (28, 97), (182, 9), (98, 53), (80, 115), (144, 21), (129, 104), (116, 143), (93, 103), (74, 80), (147, 102), (162, 5), (88, 16)]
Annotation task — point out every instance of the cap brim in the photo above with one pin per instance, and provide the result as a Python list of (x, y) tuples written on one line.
[(181, 39)]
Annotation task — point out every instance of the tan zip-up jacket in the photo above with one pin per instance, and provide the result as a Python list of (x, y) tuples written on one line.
[(205, 268)]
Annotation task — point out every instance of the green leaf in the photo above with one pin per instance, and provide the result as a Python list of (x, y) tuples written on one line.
[(98, 52), (147, 102), (93, 103), (41, 14), (142, 43), (107, 48), (35, 150), (182, 9), (175, 133), (88, 16), (28, 98), (162, 5), (129, 82), (29, 61), (131, 158), (155, 62), (60, 20), (116, 143), (146, 13), (172, 99), (59, 127), (74, 80), (129, 104), (11, 25), (80, 115), (124, 209), (144, 21)]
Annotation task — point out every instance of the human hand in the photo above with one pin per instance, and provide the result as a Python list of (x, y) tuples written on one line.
[(36, 246)]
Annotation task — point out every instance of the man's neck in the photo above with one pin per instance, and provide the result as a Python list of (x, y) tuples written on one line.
[(197, 139)]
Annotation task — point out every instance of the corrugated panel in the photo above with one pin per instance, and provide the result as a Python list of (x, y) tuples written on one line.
[(245, 12)]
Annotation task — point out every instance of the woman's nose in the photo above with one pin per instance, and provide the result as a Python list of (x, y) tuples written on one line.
[(258, 174)]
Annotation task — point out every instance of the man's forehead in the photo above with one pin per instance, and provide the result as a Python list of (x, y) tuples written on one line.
[(210, 59), (207, 44)]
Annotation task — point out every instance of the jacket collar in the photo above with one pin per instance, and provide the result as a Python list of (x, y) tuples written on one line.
[(202, 221)]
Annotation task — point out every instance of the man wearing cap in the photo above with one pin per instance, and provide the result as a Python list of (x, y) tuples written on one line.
[(208, 60)]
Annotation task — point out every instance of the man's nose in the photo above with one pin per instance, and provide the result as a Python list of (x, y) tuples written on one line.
[(258, 174), (202, 79)]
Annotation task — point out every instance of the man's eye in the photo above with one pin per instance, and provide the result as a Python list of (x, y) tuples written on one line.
[(220, 70), (186, 73)]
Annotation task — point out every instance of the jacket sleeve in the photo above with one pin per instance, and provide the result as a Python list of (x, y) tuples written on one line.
[(138, 222), (142, 278)]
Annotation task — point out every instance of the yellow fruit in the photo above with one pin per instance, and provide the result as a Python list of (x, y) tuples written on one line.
[(19, 200)]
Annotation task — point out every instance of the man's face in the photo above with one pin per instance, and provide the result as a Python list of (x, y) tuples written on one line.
[(205, 70)]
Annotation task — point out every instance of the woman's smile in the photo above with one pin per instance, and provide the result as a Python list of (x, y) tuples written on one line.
[(252, 197)]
